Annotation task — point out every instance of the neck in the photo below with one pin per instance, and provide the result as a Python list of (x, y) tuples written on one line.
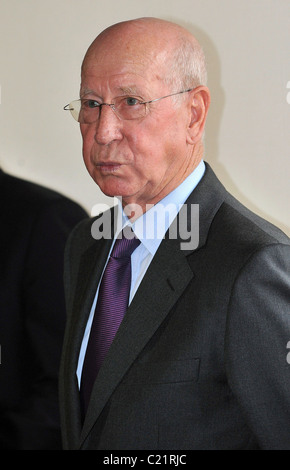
[(134, 207)]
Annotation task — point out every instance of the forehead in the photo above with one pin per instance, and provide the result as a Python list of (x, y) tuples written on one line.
[(120, 80), (127, 65)]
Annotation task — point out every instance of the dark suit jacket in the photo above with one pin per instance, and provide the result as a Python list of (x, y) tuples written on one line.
[(199, 361), (35, 224)]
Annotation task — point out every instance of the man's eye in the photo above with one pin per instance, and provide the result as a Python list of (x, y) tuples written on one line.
[(91, 104), (130, 101)]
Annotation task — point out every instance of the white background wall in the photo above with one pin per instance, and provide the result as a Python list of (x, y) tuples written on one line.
[(247, 44)]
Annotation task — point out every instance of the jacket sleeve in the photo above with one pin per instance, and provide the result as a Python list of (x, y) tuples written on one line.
[(258, 333)]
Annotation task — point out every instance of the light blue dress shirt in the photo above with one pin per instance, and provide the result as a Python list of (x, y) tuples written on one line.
[(150, 233)]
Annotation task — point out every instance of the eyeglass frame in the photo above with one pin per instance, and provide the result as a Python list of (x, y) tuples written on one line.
[(99, 105)]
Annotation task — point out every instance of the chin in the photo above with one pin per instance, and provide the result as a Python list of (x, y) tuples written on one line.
[(111, 188), (115, 186)]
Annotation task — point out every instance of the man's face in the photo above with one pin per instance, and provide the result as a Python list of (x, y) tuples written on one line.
[(140, 160)]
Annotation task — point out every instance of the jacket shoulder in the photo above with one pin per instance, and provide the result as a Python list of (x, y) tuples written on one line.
[(88, 231), (27, 198), (246, 226)]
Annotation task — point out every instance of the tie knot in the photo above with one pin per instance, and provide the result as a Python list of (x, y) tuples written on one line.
[(125, 244)]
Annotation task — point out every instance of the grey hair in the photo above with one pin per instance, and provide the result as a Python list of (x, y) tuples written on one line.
[(188, 68)]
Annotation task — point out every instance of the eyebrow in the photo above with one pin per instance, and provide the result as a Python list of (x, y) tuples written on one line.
[(87, 91), (129, 90), (126, 90)]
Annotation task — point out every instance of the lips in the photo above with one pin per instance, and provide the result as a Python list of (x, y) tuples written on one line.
[(108, 167)]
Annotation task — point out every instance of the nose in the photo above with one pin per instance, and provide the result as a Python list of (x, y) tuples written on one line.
[(108, 126)]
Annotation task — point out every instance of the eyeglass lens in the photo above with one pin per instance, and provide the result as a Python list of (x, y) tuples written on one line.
[(88, 111)]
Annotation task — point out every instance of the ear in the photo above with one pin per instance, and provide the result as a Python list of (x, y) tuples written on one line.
[(198, 109)]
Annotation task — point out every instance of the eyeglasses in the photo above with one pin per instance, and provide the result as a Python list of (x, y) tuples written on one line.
[(87, 111)]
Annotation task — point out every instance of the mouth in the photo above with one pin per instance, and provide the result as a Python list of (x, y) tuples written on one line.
[(108, 167)]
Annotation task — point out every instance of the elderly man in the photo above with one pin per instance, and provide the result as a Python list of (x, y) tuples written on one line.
[(169, 344)]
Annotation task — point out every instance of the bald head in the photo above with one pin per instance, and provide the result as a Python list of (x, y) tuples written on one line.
[(177, 54)]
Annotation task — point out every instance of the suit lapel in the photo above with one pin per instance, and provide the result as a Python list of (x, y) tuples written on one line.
[(91, 267)]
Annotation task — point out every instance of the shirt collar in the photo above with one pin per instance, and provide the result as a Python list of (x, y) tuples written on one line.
[(151, 227)]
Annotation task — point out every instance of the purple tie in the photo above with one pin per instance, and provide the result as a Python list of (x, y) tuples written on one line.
[(111, 307)]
